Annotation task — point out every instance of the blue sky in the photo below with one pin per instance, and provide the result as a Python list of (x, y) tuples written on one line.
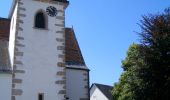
[(105, 29)]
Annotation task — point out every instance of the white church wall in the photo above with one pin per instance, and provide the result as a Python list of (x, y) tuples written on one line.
[(96, 94), (5, 86), (77, 84), (40, 54)]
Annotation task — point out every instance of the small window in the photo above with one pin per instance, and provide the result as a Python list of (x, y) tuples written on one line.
[(41, 96), (40, 21)]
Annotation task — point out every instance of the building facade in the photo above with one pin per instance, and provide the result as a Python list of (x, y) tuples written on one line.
[(41, 58)]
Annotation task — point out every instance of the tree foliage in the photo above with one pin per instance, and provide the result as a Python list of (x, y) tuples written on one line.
[(147, 65)]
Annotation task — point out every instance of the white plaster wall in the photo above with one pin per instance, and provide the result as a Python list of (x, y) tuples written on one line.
[(75, 84), (12, 35), (96, 94), (40, 55), (5, 86)]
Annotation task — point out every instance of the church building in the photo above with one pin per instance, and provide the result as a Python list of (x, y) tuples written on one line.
[(40, 58)]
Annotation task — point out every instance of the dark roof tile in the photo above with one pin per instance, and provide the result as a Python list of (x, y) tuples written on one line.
[(105, 89)]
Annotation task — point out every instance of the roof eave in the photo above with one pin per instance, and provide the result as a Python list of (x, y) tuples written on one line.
[(77, 67)]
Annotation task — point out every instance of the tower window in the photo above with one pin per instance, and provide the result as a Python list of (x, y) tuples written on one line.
[(41, 96), (40, 20)]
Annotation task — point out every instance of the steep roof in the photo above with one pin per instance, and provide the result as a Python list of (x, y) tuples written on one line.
[(4, 28), (73, 52), (105, 89), (4, 36)]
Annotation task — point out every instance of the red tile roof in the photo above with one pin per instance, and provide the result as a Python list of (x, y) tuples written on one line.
[(73, 52), (4, 28), (4, 37)]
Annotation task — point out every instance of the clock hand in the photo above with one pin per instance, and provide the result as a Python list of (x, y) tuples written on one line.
[(50, 8)]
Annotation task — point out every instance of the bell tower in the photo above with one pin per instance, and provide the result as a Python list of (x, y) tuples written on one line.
[(37, 49)]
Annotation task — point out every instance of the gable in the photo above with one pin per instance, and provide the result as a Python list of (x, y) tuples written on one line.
[(96, 94), (105, 90)]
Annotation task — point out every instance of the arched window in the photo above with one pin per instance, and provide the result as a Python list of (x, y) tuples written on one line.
[(40, 20)]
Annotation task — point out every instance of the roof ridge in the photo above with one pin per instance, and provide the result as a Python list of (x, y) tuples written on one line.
[(102, 84)]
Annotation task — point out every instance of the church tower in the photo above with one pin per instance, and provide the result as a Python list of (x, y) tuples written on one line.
[(37, 49)]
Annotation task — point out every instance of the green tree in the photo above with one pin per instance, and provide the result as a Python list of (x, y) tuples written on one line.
[(147, 65), (128, 84)]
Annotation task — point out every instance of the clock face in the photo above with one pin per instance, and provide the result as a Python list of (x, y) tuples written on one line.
[(51, 11)]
